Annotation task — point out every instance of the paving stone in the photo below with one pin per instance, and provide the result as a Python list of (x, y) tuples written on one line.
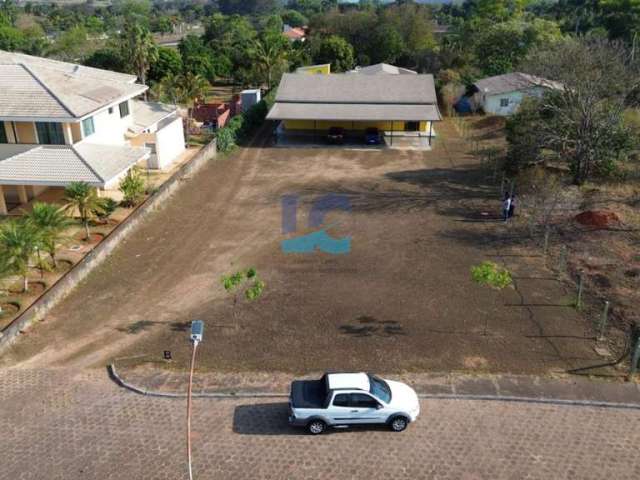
[(62, 425)]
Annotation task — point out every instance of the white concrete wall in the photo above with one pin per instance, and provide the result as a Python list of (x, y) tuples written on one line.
[(109, 127), (169, 144), (491, 103)]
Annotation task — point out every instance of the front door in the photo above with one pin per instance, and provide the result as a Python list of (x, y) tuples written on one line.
[(367, 408)]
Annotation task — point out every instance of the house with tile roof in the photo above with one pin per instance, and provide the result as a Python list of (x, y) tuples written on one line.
[(62, 123), (503, 94), (403, 108)]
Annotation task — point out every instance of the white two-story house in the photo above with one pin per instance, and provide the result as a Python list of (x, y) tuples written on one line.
[(62, 123)]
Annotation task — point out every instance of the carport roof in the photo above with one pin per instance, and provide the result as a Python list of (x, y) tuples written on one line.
[(352, 112), (355, 89)]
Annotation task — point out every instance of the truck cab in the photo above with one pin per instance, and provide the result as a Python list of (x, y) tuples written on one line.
[(343, 399)]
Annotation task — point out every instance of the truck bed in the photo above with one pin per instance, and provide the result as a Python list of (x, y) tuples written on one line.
[(308, 393)]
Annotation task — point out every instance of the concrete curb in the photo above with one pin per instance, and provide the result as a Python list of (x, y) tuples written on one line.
[(113, 374), (99, 254)]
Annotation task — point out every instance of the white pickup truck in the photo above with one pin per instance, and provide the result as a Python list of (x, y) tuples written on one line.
[(342, 399)]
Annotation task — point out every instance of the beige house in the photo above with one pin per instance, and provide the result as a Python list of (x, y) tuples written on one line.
[(62, 123)]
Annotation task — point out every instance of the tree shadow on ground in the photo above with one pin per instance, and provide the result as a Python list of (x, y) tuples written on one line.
[(137, 327), (366, 326), (439, 187)]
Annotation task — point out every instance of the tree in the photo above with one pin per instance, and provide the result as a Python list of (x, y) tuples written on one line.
[(72, 45), (386, 45), (230, 40), (621, 18), (334, 50), (196, 57), (138, 48), (51, 221), (294, 18), (19, 240), (11, 38), (169, 62), (500, 47), (270, 55), (107, 58), (583, 122), (84, 199), (132, 187)]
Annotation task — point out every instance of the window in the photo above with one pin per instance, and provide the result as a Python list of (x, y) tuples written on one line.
[(379, 388), (50, 133), (412, 126), (110, 110), (341, 400), (3, 134), (504, 102), (362, 400), (124, 109), (87, 127)]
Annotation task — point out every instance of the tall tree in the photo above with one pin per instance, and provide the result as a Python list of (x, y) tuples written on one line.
[(270, 54), (582, 122), (334, 50), (139, 49)]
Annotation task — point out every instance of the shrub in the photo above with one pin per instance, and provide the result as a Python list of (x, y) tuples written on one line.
[(132, 187), (489, 273), (243, 126), (233, 281), (105, 208)]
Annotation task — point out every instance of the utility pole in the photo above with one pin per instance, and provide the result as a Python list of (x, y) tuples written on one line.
[(197, 329)]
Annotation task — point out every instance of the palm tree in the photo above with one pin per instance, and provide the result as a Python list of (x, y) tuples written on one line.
[(19, 240), (270, 53), (84, 198), (139, 49), (51, 221)]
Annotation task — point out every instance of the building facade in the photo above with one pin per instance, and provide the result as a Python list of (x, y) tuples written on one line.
[(62, 123)]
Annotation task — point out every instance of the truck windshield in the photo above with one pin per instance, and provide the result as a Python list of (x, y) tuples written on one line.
[(379, 389)]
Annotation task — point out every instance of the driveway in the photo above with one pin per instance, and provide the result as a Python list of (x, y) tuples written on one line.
[(401, 299), (58, 424)]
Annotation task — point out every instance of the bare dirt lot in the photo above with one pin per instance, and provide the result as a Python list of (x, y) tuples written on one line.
[(401, 300)]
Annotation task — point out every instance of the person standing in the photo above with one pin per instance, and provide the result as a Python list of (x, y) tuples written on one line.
[(506, 206)]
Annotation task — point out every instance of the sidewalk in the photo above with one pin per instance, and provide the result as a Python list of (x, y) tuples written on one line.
[(578, 390)]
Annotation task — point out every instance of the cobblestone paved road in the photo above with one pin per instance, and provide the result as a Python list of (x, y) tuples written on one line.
[(60, 425)]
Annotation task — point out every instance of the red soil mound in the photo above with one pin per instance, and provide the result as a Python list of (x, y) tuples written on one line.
[(597, 218)]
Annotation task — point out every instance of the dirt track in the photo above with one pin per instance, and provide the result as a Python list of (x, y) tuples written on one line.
[(402, 299)]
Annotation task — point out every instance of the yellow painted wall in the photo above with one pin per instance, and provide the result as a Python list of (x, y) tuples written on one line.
[(26, 132), (317, 69), (325, 125)]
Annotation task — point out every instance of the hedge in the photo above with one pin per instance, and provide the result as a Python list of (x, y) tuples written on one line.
[(242, 127)]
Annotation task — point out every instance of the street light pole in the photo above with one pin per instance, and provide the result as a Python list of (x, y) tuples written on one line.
[(197, 329)]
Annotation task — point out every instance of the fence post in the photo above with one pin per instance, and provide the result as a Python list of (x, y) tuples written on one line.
[(603, 321), (580, 286), (562, 262)]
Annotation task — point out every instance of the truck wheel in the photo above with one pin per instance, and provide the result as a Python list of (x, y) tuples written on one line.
[(316, 427), (398, 423)]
